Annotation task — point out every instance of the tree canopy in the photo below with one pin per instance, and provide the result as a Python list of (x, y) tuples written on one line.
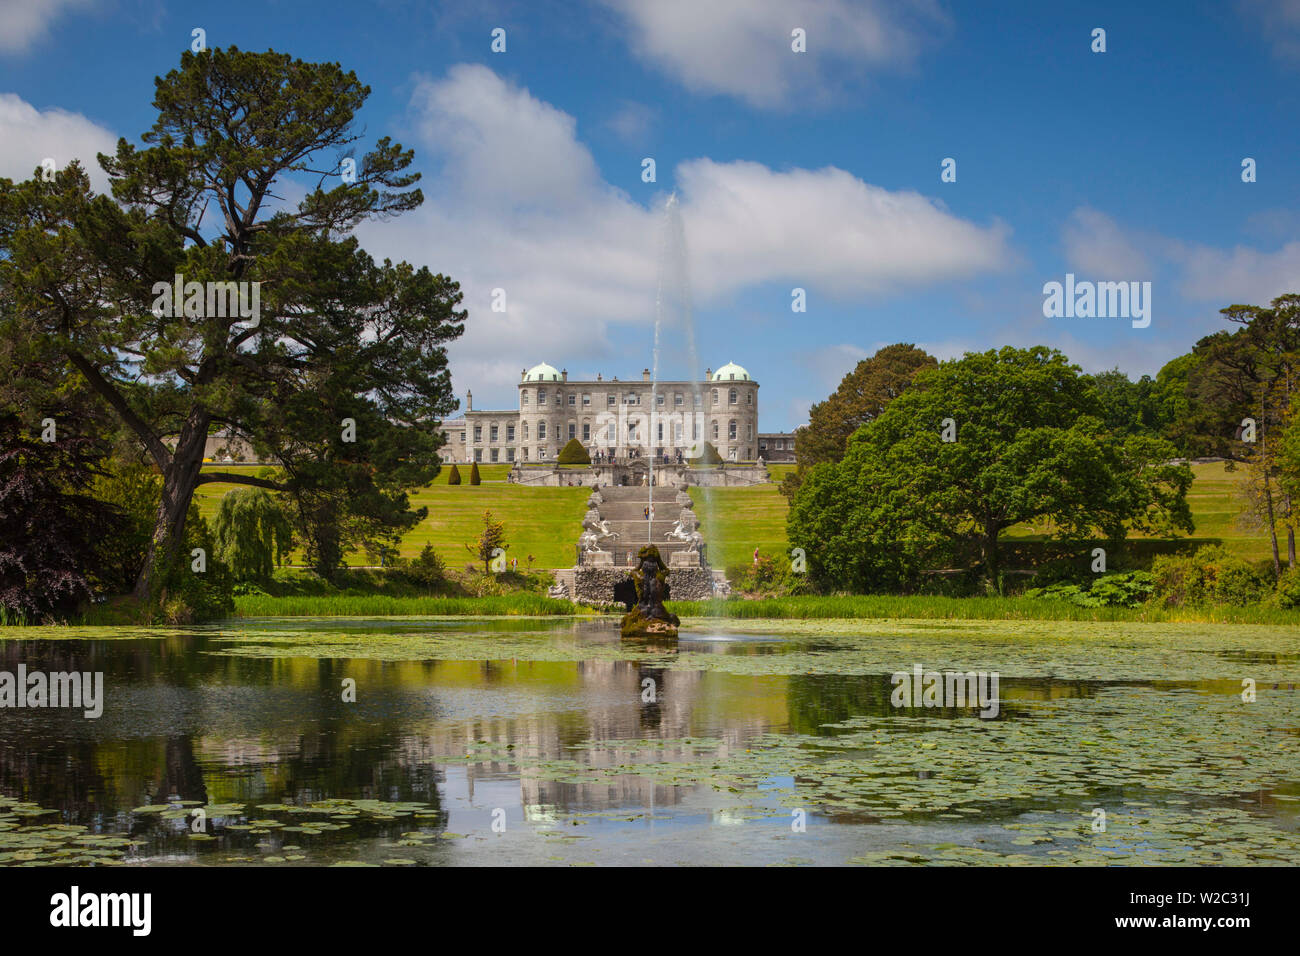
[(1027, 444), (339, 373)]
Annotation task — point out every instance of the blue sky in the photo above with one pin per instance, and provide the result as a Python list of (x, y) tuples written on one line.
[(818, 170)]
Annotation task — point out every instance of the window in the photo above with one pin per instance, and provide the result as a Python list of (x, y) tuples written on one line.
[(478, 434), (677, 432), (523, 397), (631, 398), (731, 429), (677, 398), (631, 431), (586, 399), (731, 397), (492, 433), (695, 431), (586, 431), (478, 454), (510, 454), (609, 433), (659, 399), (573, 430), (541, 430), (510, 433), (541, 396), (525, 431), (611, 400), (715, 431), (573, 399), (541, 453), (749, 398), (660, 435), (462, 436), (715, 396), (525, 454), (749, 431), (494, 454)]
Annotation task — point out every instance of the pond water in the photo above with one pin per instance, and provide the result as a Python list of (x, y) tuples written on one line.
[(552, 741)]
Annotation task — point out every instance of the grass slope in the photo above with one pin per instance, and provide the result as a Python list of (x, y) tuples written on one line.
[(545, 522)]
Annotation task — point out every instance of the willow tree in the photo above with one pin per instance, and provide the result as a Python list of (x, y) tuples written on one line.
[(253, 534), (332, 364)]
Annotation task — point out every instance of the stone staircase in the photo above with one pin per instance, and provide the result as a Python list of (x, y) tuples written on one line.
[(624, 509)]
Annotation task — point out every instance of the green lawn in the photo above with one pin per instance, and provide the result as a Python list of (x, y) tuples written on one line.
[(545, 522), (735, 521)]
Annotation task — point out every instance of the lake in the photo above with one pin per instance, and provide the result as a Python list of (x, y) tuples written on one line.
[(506, 741)]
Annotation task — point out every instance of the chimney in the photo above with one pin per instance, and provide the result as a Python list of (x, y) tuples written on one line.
[(708, 372), (645, 375), (565, 373), (469, 400), (598, 378), (523, 374)]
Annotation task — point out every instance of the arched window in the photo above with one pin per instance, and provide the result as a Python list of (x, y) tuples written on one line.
[(523, 397), (731, 429), (541, 396), (541, 429), (731, 397)]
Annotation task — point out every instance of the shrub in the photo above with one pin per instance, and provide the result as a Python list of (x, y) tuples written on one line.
[(1210, 576), (474, 479), (573, 453), (453, 476), (1122, 589), (708, 456), (1288, 588), (427, 570), (253, 534)]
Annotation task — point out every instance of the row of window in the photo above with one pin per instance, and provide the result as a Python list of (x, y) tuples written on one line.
[(495, 454), (632, 398), (610, 432)]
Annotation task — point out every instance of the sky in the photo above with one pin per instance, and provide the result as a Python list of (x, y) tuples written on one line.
[(820, 170)]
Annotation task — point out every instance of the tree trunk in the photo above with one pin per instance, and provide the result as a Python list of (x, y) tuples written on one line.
[(989, 552), (179, 481), (1272, 525)]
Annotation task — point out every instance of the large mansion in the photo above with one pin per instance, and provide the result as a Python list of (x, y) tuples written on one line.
[(612, 417)]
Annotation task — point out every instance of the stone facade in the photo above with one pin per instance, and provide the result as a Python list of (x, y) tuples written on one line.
[(778, 446), (619, 419)]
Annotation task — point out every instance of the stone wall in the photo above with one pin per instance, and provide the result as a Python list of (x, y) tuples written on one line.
[(596, 585)]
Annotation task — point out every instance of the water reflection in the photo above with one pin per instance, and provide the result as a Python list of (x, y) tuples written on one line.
[(550, 743)]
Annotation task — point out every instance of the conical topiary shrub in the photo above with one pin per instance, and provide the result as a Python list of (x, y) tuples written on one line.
[(573, 454), (453, 476), (474, 479), (708, 456)]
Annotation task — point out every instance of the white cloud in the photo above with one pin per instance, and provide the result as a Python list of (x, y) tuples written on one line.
[(633, 122), (28, 136), (1278, 21), (24, 22), (1096, 247), (747, 224), (742, 48), (1241, 274), (518, 203)]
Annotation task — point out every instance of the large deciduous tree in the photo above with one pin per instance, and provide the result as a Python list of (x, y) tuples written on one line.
[(1252, 373), (339, 336), (861, 396), (1030, 445)]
